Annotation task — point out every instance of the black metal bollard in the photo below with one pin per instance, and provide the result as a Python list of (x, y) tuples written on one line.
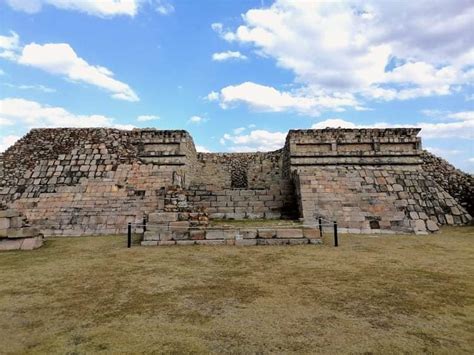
[(144, 224), (336, 242), (129, 235), (320, 220)]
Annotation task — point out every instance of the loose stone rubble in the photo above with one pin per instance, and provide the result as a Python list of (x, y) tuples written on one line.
[(95, 181), (15, 232)]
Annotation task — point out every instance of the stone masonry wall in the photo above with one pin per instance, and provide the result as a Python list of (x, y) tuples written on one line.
[(368, 180), (95, 181), (92, 181), (457, 183), (260, 190)]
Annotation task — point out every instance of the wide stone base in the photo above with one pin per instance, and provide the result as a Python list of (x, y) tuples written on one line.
[(238, 237), (21, 243)]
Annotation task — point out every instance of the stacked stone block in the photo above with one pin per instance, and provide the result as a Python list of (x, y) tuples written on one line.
[(15, 232), (183, 233)]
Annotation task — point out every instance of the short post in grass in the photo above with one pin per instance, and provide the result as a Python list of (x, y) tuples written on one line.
[(320, 221), (144, 224), (129, 235), (336, 242)]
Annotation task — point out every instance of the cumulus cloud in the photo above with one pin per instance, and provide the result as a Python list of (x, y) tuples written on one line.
[(360, 48), (32, 114), (9, 46), (268, 99), (196, 119), (256, 140), (146, 118), (228, 55), (458, 129), (61, 59)]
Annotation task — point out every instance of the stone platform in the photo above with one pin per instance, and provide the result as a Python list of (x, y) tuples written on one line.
[(182, 235)]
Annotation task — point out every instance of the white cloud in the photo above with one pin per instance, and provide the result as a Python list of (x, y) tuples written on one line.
[(102, 8), (202, 149), (458, 129), (212, 96), (360, 48), (146, 118), (196, 119), (7, 141), (238, 130), (257, 140), (125, 127), (9, 46), (462, 116), (222, 56), (163, 7), (224, 34), (471, 160), (38, 87), (2, 72), (32, 114), (61, 59), (269, 99)]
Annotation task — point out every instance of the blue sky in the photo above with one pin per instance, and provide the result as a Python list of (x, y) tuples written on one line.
[(239, 74)]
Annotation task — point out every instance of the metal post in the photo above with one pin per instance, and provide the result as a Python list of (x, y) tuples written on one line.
[(129, 235), (320, 227), (144, 224), (336, 243)]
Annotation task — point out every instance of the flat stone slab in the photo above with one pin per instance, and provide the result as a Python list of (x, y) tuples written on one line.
[(266, 233), (289, 233)]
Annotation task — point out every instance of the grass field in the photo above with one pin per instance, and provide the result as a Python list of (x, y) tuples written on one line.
[(390, 294)]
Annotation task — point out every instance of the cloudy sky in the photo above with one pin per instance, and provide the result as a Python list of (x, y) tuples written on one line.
[(239, 74)]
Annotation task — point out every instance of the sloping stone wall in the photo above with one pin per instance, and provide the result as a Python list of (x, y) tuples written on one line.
[(368, 180), (457, 183)]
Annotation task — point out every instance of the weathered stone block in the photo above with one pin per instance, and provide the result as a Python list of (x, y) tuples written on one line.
[(185, 242), (215, 234), (289, 233), (431, 226), (248, 233), (160, 217), (266, 233), (211, 242), (197, 234), (272, 241), (311, 233), (165, 236), (25, 232), (166, 242), (10, 244), (146, 243), (300, 241), (4, 223), (10, 213)]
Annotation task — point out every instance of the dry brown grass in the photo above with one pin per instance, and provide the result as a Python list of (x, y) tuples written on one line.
[(390, 294)]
